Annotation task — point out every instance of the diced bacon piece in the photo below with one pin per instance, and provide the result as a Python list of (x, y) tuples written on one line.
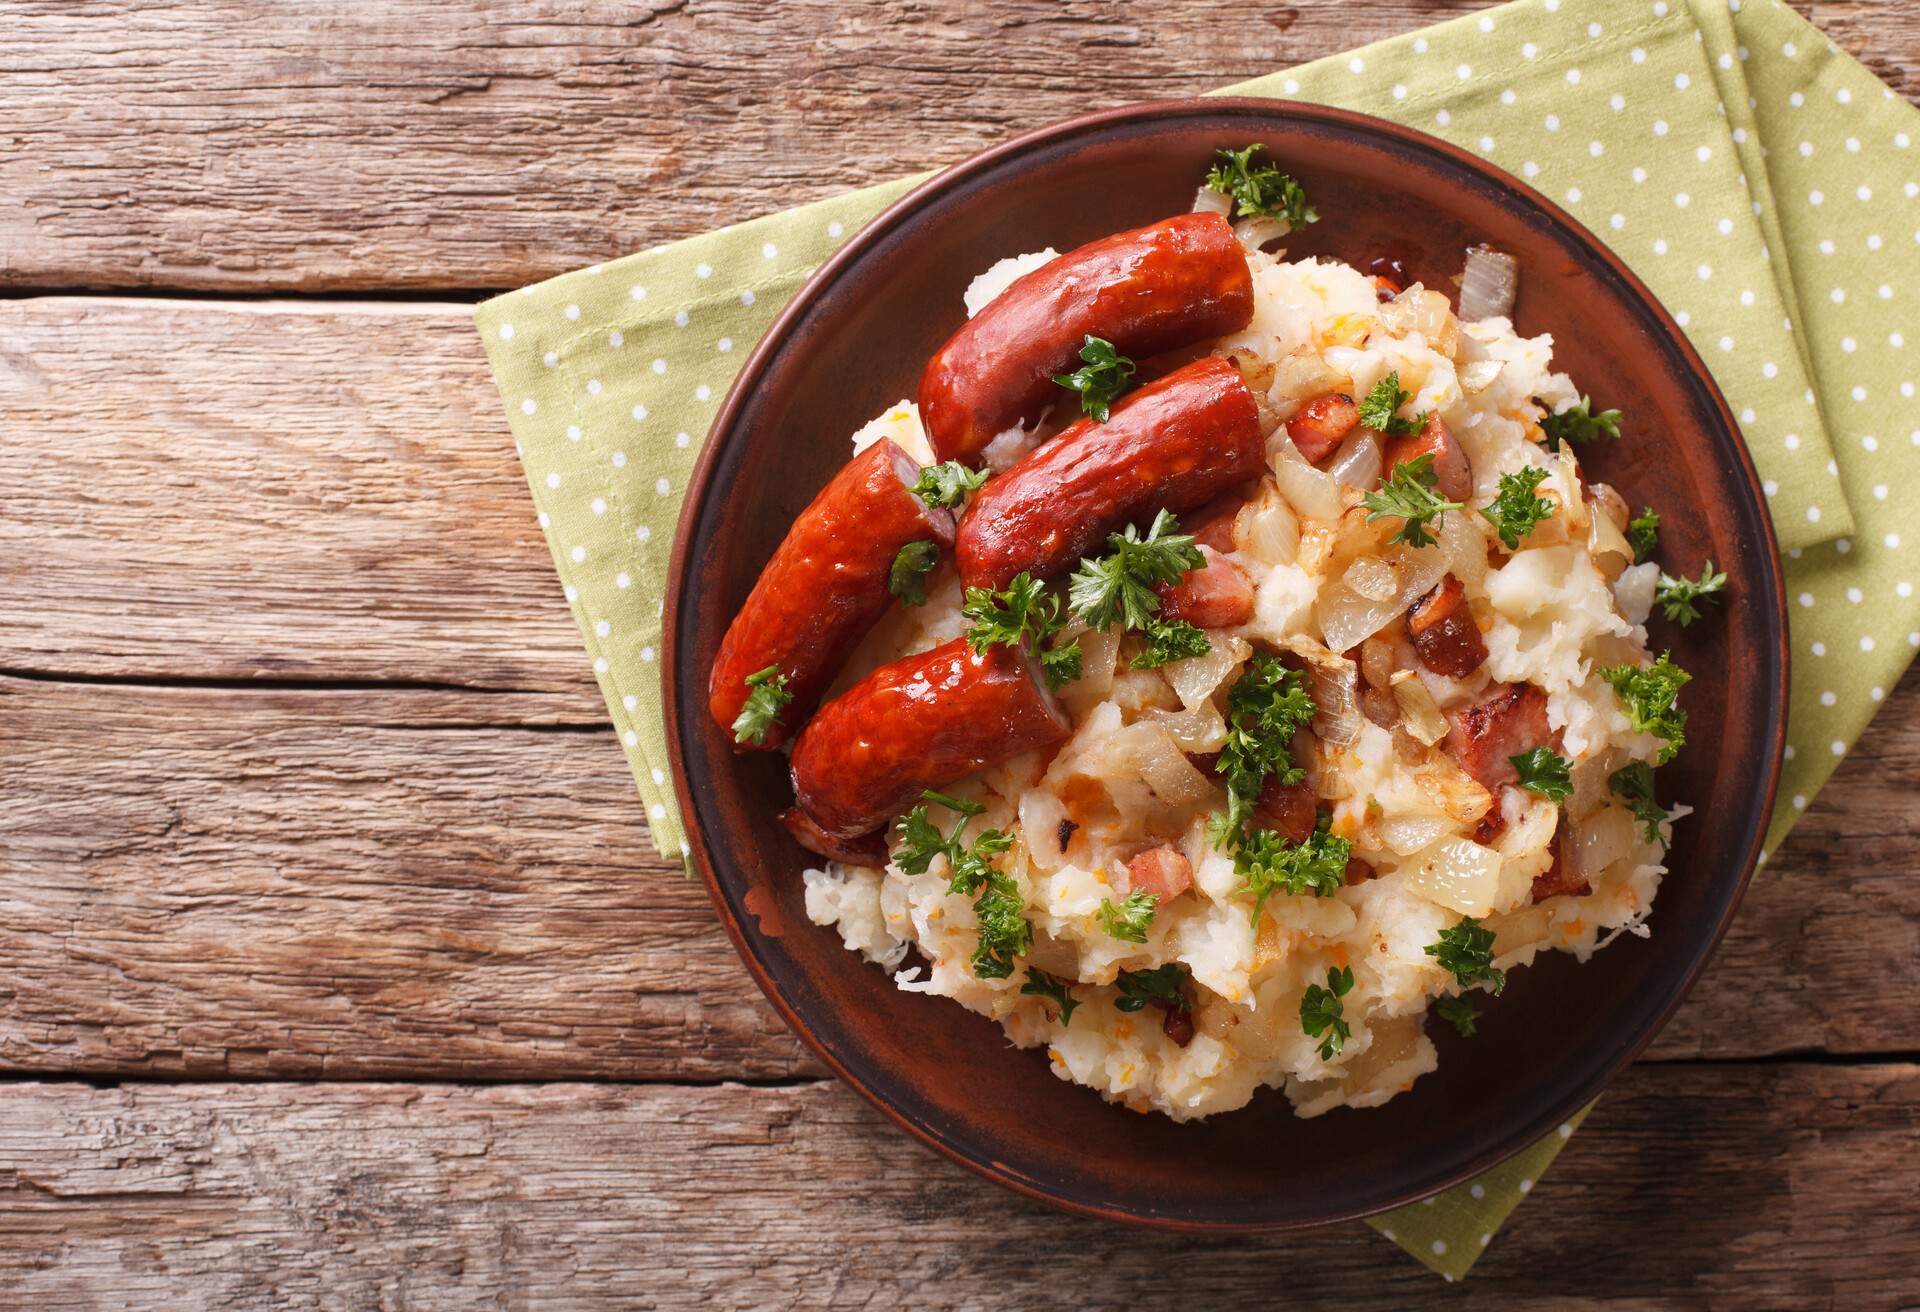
[(1510, 721), (1558, 880), (1212, 524), (1160, 871), (1358, 871), (1290, 810), (1450, 464), (1443, 632), (867, 850), (1323, 424), (1218, 596), (1178, 1025)]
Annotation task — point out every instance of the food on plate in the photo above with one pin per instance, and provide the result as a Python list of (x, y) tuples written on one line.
[(1167, 285), (839, 568), (1288, 678)]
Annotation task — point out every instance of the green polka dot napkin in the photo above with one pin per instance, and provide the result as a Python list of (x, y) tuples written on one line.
[(1761, 182)]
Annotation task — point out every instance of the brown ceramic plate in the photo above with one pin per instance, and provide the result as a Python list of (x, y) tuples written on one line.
[(853, 342)]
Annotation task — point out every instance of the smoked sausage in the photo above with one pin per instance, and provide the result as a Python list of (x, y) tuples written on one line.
[(825, 587), (920, 722), (1167, 285), (1509, 721), (1452, 471), (1173, 445)]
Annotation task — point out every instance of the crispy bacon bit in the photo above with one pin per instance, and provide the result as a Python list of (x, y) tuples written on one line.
[(1443, 633), (1161, 871), (1510, 721), (1358, 871), (1177, 1025), (1065, 834), (1212, 524), (1557, 880), (1493, 824), (1216, 597), (1322, 424), (1450, 464), (867, 850), (1290, 810)]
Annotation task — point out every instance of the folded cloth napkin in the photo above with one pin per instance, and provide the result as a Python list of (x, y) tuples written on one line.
[(1760, 181)]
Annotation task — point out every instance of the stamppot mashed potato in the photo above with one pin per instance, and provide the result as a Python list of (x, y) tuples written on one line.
[(1332, 590)]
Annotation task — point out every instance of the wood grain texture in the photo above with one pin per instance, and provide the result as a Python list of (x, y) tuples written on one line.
[(268, 490), (375, 883), (1748, 1186), (243, 145)]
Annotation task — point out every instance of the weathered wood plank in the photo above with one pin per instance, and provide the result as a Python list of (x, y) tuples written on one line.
[(378, 884), (1768, 1186), (247, 490), (245, 146)]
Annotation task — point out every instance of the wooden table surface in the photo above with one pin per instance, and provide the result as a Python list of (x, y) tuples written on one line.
[(335, 968)]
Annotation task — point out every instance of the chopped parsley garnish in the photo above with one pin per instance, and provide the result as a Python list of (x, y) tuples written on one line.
[(1131, 919), (1162, 984), (1650, 694), (1022, 612), (1269, 864), (1678, 597), (1100, 380), (907, 579), (1634, 785), (766, 695), (1170, 640), (1467, 950), (948, 484), (1458, 1012), (1409, 494), (1265, 706), (998, 906), (1516, 511), (1643, 534), (1118, 587), (1544, 773), (1259, 190), (1579, 425), (1381, 409), (1322, 1012), (1058, 991)]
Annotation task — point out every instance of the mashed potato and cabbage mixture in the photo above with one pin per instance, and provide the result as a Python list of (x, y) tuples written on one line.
[(1412, 836)]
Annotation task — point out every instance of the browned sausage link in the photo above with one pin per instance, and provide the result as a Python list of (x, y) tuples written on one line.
[(1558, 879), (1175, 444), (919, 723), (1152, 289), (1450, 466), (825, 586), (1443, 632), (1322, 424), (1218, 595), (869, 850), (1512, 720)]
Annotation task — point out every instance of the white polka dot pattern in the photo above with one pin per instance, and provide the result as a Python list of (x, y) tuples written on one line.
[(1760, 181)]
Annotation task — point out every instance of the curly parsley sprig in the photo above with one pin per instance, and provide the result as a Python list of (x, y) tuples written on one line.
[(1516, 511), (1266, 706), (998, 906), (1458, 1012), (1101, 380), (947, 485), (1322, 1012), (1544, 773), (1131, 920), (1267, 864), (1650, 696), (1633, 784), (1680, 598), (1118, 588), (767, 696), (1260, 190), (1380, 411), (1466, 949), (1055, 990), (1023, 613), (1171, 640), (1408, 494), (1579, 425), (1643, 534), (1164, 985), (907, 579)]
